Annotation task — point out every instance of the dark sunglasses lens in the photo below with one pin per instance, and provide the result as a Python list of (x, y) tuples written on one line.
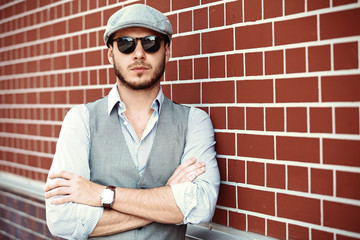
[(126, 45), (151, 44)]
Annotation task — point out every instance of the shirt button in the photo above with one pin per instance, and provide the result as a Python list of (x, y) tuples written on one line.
[(140, 148), (125, 123)]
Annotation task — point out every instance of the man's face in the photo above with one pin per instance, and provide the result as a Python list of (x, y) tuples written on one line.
[(138, 70)]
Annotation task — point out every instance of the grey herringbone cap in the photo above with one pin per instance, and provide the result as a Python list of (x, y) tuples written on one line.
[(138, 15)]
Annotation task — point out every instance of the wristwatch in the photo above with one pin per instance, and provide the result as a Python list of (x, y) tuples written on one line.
[(107, 197)]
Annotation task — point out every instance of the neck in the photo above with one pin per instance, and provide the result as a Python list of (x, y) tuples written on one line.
[(137, 100)]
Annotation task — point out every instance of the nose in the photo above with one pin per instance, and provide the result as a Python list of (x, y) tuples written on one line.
[(139, 52)]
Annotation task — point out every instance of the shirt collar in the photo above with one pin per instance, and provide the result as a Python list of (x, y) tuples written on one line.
[(114, 99)]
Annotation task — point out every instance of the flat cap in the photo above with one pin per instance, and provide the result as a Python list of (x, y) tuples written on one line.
[(138, 15)]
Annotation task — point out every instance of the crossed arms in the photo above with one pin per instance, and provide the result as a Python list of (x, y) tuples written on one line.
[(73, 203)]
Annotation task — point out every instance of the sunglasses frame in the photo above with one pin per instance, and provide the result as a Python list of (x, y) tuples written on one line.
[(133, 41)]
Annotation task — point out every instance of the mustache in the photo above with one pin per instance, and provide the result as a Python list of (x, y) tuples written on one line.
[(139, 64)]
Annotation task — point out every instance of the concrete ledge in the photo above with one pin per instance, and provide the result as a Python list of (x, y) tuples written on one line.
[(35, 189)]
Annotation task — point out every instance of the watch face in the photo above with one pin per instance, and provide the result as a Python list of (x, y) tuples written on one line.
[(107, 196)]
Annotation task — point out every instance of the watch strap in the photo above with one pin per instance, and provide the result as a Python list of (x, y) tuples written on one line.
[(108, 206)]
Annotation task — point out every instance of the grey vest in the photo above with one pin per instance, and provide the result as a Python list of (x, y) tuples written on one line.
[(111, 163)]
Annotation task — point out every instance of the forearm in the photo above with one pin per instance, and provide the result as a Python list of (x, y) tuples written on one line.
[(156, 204), (113, 222)]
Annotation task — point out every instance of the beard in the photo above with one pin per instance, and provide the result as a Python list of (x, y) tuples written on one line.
[(147, 84)]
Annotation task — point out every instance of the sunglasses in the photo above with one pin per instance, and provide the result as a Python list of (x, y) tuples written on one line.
[(150, 44)]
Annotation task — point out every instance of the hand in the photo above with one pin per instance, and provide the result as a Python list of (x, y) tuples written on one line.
[(188, 171), (69, 187)]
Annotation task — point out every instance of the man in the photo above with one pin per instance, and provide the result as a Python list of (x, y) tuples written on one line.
[(132, 164)]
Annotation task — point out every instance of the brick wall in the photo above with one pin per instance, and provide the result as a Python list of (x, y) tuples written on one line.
[(279, 78)]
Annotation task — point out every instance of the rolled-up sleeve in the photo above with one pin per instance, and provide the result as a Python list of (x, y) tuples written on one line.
[(197, 199), (72, 220)]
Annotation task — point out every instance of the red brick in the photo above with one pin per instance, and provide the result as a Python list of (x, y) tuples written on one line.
[(297, 90), (161, 5), (255, 118), (185, 69), (256, 201), (225, 143), (319, 58), (171, 71), (298, 232), (76, 60), (342, 216), (220, 216), (346, 56), (317, 4), (235, 65), (295, 60), (185, 21), (76, 97), (287, 148), (276, 229), (59, 28), (218, 117), (218, 92), (254, 91), (272, 8), (186, 45), (177, 5), (46, 31), (296, 30), (298, 208), (227, 196), (256, 224), (173, 20), (233, 12), (296, 119), (348, 185), (298, 178), (321, 235), (274, 62), (253, 36), (294, 6), (201, 68), (347, 120), (236, 171), (93, 94), (186, 93), (93, 58), (222, 168), (320, 120), (340, 88), (255, 146), (343, 2), (252, 10), (274, 119), (253, 64), (236, 118), (216, 15), (217, 67), (237, 220), (275, 176), (217, 41), (321, 181), (200, 18), (255, 173), (341, 152), (339, 24)]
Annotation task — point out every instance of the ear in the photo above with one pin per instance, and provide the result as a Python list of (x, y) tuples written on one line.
[(167, 52), (110, 55)]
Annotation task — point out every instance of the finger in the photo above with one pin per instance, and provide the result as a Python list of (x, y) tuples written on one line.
[(181, 167), (61, 174), (51, 184), (57, 192), (60, 200), (189, 174)]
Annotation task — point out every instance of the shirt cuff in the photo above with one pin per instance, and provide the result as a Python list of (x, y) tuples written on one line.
[(88, 218), (185, 198)]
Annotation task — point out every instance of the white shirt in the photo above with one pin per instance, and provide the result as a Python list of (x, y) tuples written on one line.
[(196, 200)]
